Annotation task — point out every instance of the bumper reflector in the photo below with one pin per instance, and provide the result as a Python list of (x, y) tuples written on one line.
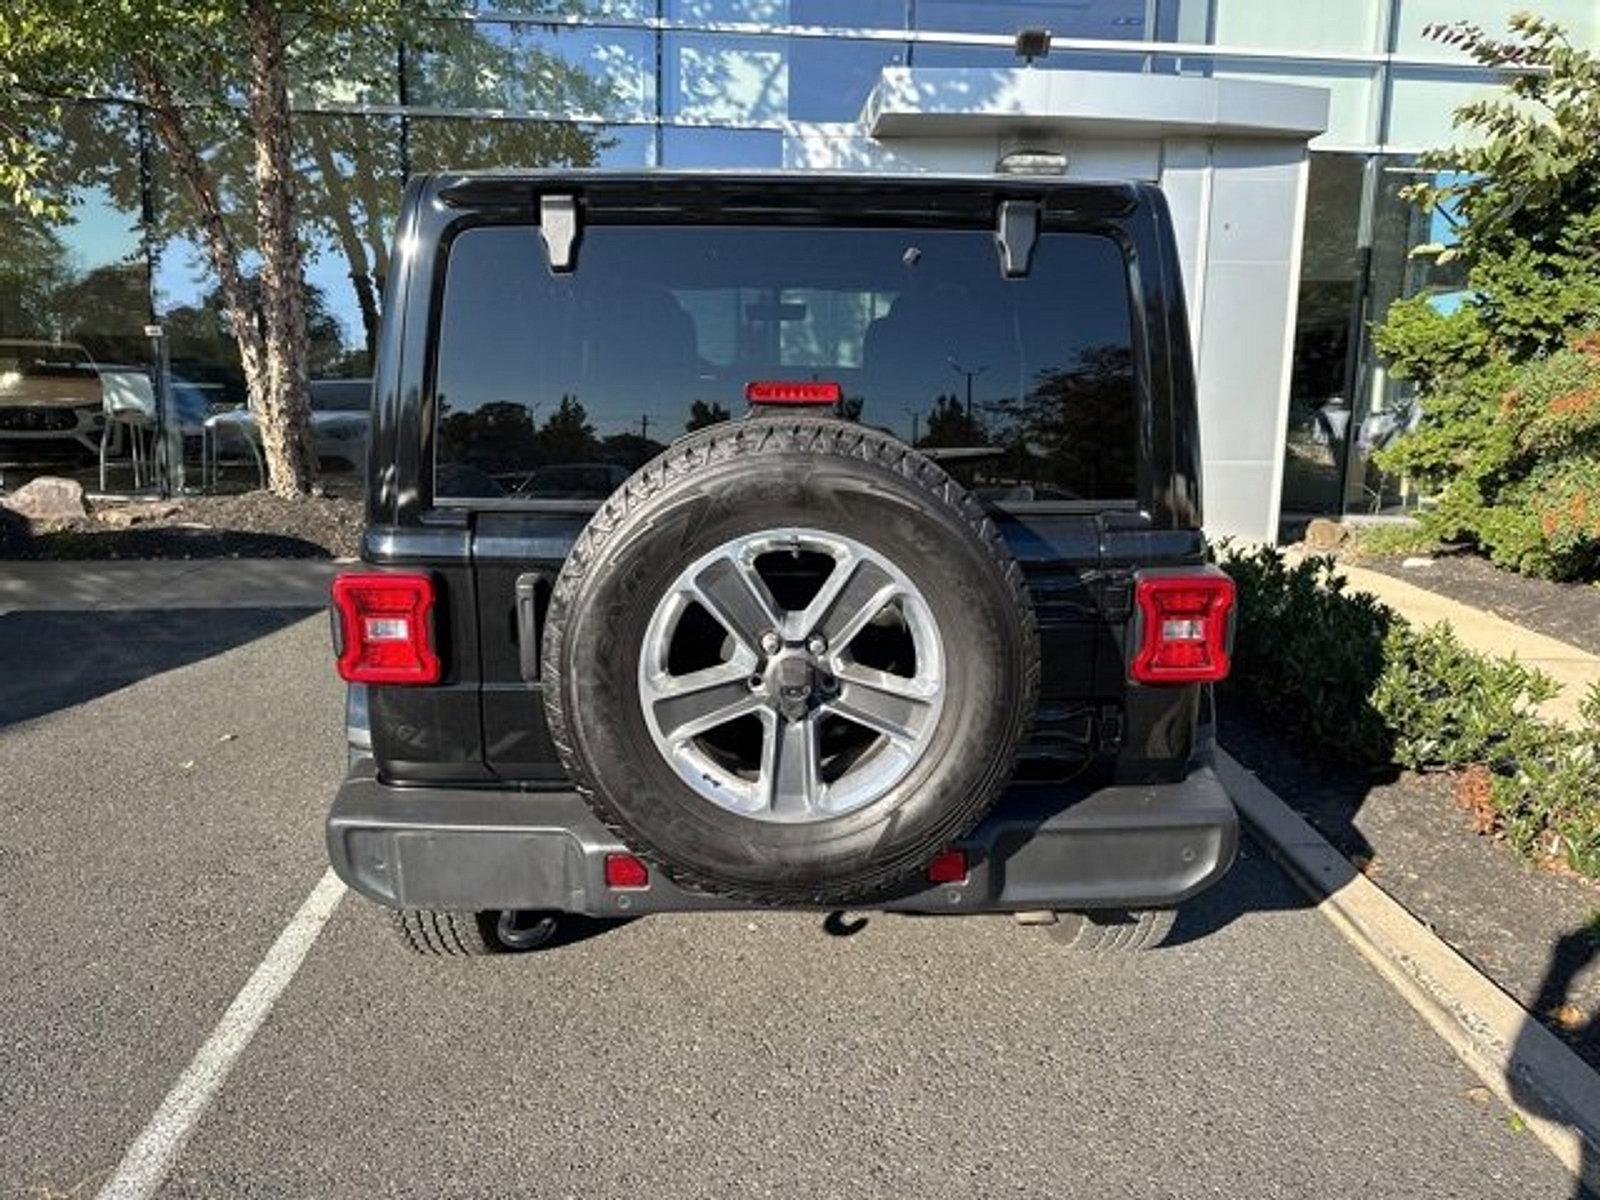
[(626, 871), (948, 866)]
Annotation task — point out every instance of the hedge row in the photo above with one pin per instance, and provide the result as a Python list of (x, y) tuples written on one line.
[(1349, 680)]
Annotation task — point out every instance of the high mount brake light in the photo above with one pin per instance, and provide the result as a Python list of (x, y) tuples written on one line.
[(385, 628), (796, 393), (1183, 627)]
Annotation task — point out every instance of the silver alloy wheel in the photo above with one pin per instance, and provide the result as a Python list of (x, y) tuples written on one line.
[(835, 732)]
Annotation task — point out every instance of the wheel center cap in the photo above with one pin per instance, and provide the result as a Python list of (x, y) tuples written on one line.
[(792, 682)]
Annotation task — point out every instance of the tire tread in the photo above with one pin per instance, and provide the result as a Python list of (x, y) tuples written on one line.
[(437, 934)]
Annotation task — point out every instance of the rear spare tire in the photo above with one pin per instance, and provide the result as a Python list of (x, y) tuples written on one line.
[(789, 661)]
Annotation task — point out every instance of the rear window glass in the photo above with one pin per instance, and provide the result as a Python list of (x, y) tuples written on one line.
[(556, 387)]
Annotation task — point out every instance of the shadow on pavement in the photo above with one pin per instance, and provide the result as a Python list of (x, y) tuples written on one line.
[(152, 542), (1254, 885), (1571, 955), (1330, 797), (55, 660)]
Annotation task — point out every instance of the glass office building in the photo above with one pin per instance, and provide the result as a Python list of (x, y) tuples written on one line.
[(719, 83)]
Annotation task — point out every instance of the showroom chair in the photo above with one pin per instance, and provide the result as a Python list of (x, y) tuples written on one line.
[(129, 404)]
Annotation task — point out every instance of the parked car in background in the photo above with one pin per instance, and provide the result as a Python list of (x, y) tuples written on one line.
[(340, 419), (50, 396)]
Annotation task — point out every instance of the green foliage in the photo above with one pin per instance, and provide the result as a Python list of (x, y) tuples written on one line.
[(1429, 346), (1502, 448), (703, 414), (1348, 680), (1385, 540), (1448, 706), (1515, 456), (1308, 654), (1548, 804)]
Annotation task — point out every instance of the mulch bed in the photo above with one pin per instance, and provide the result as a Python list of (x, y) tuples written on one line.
[(1568, 611), (252, 525), (1534, 931)]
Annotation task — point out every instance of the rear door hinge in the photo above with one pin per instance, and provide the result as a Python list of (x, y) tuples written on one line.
[(558, 226)]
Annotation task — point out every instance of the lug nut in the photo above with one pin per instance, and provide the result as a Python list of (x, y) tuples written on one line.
[(817, 644), (771, 643), (756, 683)]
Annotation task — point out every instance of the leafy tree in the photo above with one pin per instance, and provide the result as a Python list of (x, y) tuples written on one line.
[(1526, 204), (1526, 200), (497, 438), (568, 437), (949, 425), (203, 349), (258, 182), (702, 414), (187, 63)]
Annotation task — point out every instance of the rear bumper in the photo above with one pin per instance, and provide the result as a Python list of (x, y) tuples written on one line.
[(1124, 847)]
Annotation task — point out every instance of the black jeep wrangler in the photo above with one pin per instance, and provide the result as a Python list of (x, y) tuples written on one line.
[(790, 540)]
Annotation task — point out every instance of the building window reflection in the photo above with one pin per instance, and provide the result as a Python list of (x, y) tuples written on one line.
[(640, 83)]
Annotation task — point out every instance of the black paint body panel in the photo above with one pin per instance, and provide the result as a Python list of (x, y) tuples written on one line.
[(483, 726)]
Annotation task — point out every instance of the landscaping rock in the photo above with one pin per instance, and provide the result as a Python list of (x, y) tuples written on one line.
[(126, 516), (1324, 536), (48, 498)]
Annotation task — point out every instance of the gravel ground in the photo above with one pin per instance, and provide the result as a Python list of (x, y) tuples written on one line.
[(1531, 930), (1568, 611), (250, 525)]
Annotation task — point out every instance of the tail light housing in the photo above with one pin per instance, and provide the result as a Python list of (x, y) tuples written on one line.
[(383, 629), (1184, 626)]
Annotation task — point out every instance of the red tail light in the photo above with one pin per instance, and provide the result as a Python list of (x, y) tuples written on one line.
[(948, 866), (795, 392), (1183, 621), (624, 871), (384, 628)]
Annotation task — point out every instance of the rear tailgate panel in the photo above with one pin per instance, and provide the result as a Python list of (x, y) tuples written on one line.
[(432, 733), (507, 546)]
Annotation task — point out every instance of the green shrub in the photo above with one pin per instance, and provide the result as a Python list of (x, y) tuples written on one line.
[(1308, 654), (1548, 802), (1448, 706), (1508, 444), (1346, 679), (1514, 458), (1393, 539)]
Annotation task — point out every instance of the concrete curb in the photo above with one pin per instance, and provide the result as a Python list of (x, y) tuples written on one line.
[(1518, 1059)]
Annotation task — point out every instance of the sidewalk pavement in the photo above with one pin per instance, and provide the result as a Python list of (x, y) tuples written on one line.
[(1572, 668), (93, 585)]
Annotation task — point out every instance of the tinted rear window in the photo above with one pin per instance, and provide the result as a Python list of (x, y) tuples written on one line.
[(557, 386)]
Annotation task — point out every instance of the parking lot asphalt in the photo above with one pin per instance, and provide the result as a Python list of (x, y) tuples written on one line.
[(159, 829)]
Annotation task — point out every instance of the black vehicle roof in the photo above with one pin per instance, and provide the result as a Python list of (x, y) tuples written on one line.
[(752, 193)]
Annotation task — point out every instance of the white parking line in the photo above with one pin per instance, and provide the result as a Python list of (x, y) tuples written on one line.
[(150, 1157)]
